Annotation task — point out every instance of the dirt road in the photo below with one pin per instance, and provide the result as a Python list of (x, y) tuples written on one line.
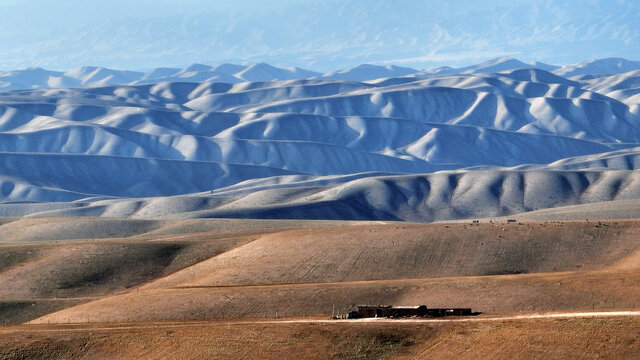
[(121, 326)]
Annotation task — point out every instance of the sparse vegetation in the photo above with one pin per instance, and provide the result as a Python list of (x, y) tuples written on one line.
[(13, 256), (172, 274), (611, 338)]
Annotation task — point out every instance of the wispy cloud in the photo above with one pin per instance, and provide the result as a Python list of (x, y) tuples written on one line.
[(328, 34)]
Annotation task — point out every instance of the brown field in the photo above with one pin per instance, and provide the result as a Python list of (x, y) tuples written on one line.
[(611, 338), (156, 288)]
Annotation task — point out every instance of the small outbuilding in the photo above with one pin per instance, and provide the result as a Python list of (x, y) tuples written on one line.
[(369, 311), (390, 311)]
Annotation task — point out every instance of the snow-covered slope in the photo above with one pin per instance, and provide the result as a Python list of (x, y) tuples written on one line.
[(408, 147), (428, 197), (504, 63), (601, 66), (366, 72), (37, 78), (32, 78), (266, 72), (624, 87)]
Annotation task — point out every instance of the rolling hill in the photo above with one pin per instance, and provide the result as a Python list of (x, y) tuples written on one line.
[(306, 268), (290, 143)]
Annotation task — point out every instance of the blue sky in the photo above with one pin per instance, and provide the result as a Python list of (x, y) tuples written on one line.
[(320, 35)]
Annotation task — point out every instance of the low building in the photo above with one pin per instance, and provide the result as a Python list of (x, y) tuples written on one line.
[(369, 311), (390, 311), (440, 312)]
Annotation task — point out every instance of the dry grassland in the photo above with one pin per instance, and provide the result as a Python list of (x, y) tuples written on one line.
[(611, 338), (106, 272)]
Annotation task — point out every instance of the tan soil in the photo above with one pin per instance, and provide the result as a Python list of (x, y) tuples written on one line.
[(583, 338), (212, 269)]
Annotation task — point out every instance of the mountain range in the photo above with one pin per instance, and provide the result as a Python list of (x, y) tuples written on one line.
[(37, 78), (372, 142)]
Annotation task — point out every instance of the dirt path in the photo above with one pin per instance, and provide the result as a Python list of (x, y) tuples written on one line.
[(563, 315), (88, 327)]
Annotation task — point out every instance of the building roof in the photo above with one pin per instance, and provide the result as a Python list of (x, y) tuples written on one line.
[(406, 307)]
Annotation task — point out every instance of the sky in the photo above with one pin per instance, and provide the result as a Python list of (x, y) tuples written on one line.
[(320, 35)]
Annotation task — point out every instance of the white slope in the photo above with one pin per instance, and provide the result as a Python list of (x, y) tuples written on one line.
[(367, 72), (229, 69), (624, 87), (612, 209), (33, 78), (429, 197), (600, 66), (495, 65), (434, 197), (102, 76), (159, 73), (626, 159), (81, 176), (191, 76), (440, 70), (410, 148), (192, 73), (500, 64), (36, 78), (514, 102), (266, 72), (543, 66)]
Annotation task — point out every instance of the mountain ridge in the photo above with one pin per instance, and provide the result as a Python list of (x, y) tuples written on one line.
[(38, 78), (282, 147)]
